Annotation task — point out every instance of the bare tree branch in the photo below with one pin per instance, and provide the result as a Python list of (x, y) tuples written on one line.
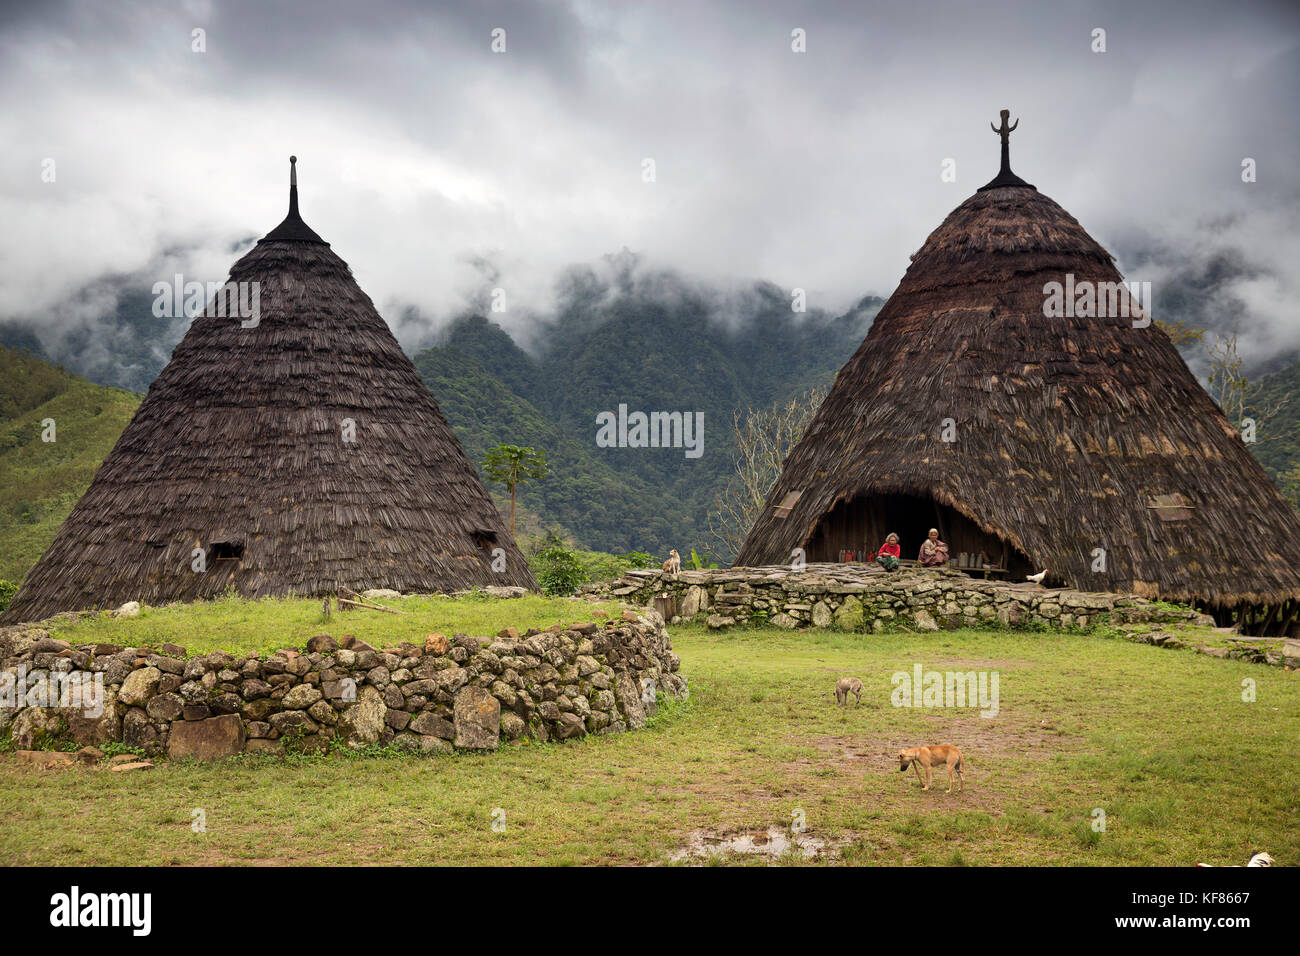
[(763, 439), (1238, 397)]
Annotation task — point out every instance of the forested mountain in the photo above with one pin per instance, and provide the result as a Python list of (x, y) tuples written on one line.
[(125, 348), (582, 496), (41, 480), (1278, 445), (654, 345), (652, 341)]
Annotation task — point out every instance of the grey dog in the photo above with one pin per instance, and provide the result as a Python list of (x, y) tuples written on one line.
[(845, 686)]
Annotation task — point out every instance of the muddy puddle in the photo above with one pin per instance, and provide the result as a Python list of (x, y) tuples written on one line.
[(770, 843)]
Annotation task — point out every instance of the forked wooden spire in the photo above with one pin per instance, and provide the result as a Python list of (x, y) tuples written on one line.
[(1005, 176)]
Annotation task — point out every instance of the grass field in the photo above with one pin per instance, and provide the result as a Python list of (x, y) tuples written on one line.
[(242, 626), (1162, 741)]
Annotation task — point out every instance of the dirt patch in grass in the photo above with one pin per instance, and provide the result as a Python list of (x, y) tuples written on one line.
[(973, 735), (935, 660), (1000, 737), (989, 749), (979, 664)]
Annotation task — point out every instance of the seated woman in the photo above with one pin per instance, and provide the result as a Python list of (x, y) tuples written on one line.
[(887, 556), (934, 552)]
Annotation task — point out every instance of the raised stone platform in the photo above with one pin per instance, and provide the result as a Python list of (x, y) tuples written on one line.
[(458, 692), (857, 597)]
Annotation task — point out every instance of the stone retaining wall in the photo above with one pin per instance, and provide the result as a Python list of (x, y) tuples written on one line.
[(460, 692), (866, 597)]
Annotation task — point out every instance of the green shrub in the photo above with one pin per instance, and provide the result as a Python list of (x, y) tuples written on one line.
[(599, 566), (7, 591), (698, 563), (558, 570), (114, 748)]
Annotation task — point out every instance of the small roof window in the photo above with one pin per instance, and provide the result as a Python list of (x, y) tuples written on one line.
[(1170, 507), (787, 504)]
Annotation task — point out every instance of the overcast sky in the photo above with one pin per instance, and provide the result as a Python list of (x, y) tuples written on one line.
[(422, 152)]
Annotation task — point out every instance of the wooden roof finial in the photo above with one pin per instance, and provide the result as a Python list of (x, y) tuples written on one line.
[(1005, 133), (293, 229), (1005, 176)]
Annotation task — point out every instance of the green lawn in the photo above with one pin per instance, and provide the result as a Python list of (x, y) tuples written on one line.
[(1160, 740), (242, 626)]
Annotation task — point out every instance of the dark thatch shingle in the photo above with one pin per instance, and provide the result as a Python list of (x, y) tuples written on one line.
[(1068, 430), (238, 450)]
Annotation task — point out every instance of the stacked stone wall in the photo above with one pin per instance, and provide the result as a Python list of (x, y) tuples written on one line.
[(458, 692), (866, 597)]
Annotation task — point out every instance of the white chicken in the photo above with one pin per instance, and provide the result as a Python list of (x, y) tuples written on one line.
[(1258, 859)]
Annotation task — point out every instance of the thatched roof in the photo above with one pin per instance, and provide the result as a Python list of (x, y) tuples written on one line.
[(1067, 429), (238, 449)]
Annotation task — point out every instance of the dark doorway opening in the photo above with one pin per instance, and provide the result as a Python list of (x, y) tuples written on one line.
[(225, 551), (860, 525)]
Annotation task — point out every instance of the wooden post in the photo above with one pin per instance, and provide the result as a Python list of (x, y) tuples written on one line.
[(1272, 613), (1290, 619), (666, 605)]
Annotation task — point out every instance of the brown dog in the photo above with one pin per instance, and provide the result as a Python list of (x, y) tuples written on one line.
[(927, 757), (674, 563), (845, 686)]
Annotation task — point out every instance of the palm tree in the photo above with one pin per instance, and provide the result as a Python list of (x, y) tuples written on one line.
[(513, 466)]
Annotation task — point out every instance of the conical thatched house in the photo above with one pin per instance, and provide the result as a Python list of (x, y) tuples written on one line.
[(292, 453), (1077, 443)]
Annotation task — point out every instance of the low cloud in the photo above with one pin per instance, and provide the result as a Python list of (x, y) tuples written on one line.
[(435, 166)]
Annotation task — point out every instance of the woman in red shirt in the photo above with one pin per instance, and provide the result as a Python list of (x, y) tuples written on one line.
[(887, 556)]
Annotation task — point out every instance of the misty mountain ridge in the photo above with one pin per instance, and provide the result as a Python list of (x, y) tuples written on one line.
[(618, 333), (653, 343), (105, 330)]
